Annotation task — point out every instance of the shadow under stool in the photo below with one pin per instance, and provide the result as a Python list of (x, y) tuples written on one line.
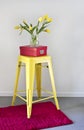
[(33, 66)]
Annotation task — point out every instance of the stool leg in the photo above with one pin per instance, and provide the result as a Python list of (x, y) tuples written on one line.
[(16, 82), (30, 71), (38, 78), (53, 83)]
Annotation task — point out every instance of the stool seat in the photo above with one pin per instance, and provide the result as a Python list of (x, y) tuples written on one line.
[(33, 67)]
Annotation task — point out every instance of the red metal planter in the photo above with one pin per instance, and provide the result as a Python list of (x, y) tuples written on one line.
[(33, 51)]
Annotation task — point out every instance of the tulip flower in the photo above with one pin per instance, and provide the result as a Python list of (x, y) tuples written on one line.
[(35, 30)]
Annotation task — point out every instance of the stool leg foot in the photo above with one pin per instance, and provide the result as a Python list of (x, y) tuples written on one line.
[(29, 104), (38, 79), (29, 113), (16, 82), (56, 102), (53, 84)]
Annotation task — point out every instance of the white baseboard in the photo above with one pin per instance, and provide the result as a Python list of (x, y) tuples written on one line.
[(6, 93), (59, 94), (70, 94)]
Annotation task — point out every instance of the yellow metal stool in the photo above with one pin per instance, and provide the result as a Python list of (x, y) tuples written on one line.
[(33, 65)]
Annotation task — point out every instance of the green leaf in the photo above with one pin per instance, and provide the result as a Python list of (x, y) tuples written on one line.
[(41, 29), (26, 25), (33, 29), (25, 28)]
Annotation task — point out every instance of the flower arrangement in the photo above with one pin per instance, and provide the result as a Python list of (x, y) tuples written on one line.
[(35, 30)]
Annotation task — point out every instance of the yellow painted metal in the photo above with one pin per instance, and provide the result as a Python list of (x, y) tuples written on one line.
[(16, 81), (33, 65), (52, 82), (21, 98), (46, 91), (42, 99), (21, 91), (38, 79), (30, 70)]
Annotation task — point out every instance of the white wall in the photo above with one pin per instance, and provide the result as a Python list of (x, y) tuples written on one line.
[(65, 42)]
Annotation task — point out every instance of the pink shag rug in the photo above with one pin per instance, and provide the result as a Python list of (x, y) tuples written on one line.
[(44, 115)]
